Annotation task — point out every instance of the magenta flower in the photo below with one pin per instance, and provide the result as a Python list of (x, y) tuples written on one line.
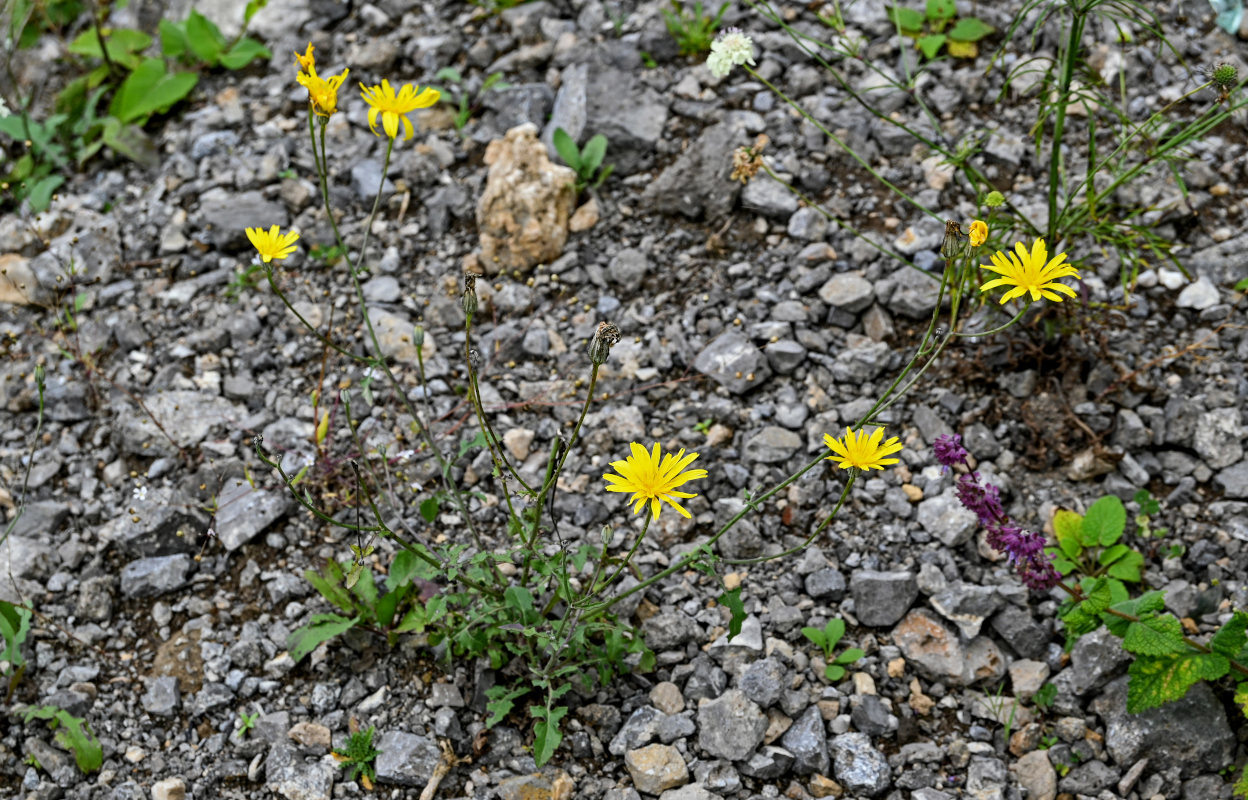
[(949, 450)]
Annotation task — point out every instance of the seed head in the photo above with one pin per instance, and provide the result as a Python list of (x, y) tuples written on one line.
[(954, 242), (469, 297), (605, 337)]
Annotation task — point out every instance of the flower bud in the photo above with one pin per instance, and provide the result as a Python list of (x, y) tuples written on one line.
[(1225, 75), (469, 297), (418, 336), (605, 337), (994, 200)]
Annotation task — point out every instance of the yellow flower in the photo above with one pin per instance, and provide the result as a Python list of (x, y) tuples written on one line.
[(272, 243), (1030, 273), (862, 451), (649, 478), (323, 93), (978, 233), (382, 100), (306, 62)]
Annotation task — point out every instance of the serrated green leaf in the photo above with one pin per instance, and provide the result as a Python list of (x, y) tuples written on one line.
[(502, 701), (1154, 636), (969, 29), (1127, 568), (1157, 680), (520, 599), (567, 149), (1231, 637), (72, 733), (1098, 596), (244, 51), (14, 626), (1067, 526), (413, 621), (546, 733), (402, 568), (150, 89), (930, 45), (321, 628), (1104, 523), (1147, 604), (731, 600)]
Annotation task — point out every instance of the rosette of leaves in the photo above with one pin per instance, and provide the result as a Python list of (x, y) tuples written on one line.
[(1090, 544), (938, 26), (826, 640)]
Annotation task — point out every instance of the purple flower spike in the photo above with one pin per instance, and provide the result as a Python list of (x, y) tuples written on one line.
[(949, 450), (983, 499)]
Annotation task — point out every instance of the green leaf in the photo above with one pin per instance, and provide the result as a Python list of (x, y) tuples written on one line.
[(402, 568), (970, 29), (150, 89), (941, 9), (387, 604), (429, 508), (732, 601), (567, 150), (815, 635), (1232, 636), (72, 733), (834, 630), (603, 175), (14, 626), (321, 628), (365, 588), (930, 45), (520, 599), (1145, 605), (412, 621), (39, 195), (502, 701), (908, 19), (593, 153), (1105, 521), (448, 74), (329, 584), (252, 7), (204, 38), (1111, 554), (1067, 526), (834, 672), (1099, 596), (546, 733), (131, 142), (850, 656), (1128, 568), (243, 53), (173, 42), (123, 45), (1156, 680), (1154, 636)]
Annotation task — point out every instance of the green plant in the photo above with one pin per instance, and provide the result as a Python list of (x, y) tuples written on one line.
[(357, 757), (245, 278), (1045, 696), (245, 723), (693, 29), (703, 426), (647, 60), (14, 628), (584, 161), (1090, 545), (1148, 507), (1046, 742), (330, 254), (461, 99), (826, 639), (945, 28), (72, 733)]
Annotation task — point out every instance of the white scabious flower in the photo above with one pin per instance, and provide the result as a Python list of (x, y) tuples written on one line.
[(732, 48)]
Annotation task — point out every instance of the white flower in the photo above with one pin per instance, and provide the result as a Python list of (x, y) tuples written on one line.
[(4, 109), (404, 455), (140, 493), (732, 48)]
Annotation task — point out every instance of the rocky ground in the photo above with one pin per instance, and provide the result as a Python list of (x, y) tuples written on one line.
[(743, 314)]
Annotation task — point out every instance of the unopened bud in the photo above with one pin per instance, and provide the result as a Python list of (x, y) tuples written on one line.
[(418, 336), (469, 297), (605, 337), (994, 200), (1225, 75)]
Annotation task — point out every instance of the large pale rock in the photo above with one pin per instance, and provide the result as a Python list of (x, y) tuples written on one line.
[(522, 216)]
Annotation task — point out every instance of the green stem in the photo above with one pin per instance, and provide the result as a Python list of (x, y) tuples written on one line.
[(813, 534), (596, 589), (1065, 77)]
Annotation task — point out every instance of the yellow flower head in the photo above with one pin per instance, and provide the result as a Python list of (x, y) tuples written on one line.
[(272, 243), (321, 92), (862, 451), (306, 62), (978, 232), (650, 478), (392, 108), (1030, 273)]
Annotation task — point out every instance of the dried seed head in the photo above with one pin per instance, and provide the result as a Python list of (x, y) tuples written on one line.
[(954, 242), (747, 161), (605, 337), (469, 297)]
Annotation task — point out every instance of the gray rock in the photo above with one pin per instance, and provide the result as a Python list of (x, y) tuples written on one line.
[(967, 606), (155, 532), (944, 517), (406, 759), (161, 698), (860, 768), (1006, 147), (731, 726), (152, 577), (690, 791), (826, 584), (1217, 437), (628, 268), (696, 184), (772, 445), (934, 649), (785, 355), (1191, 733), (769, 198), (1028, 638), (669, 629), (848, 291), (521, 103), (571, 106), (187, 418), (1233, 481), (1199, 295), (914, 297), (243, 512), (212, 695), (882, 598), (931, 424), (807, 740), (1089, 778), (656, 768), (640, 729), (382, 289), (763, 681), (366, 177), (861, 360), (1095, 659), (768, 763), (292, 776), (226, 214), (808, 224), (871, 717), (733, 361), (628, 113), (749, 638)]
